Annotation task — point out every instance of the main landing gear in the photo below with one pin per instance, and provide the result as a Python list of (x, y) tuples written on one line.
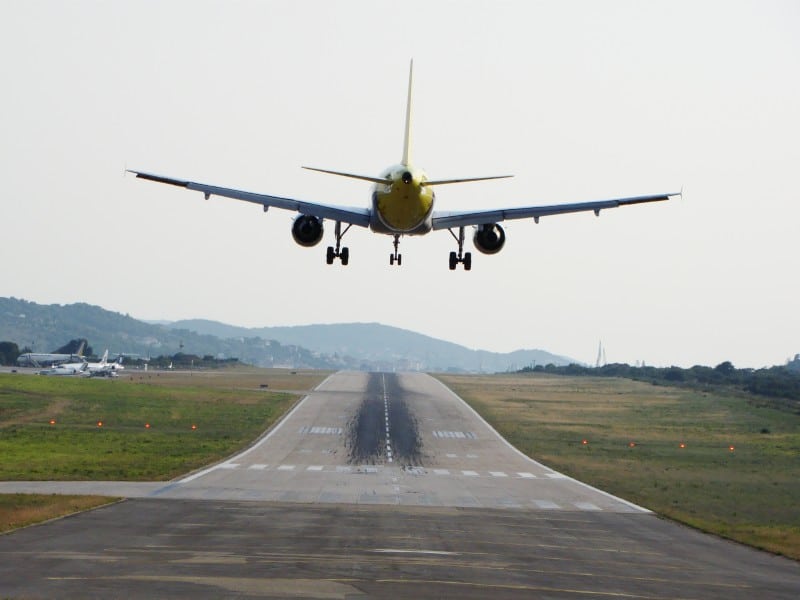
[(395, 257), (462, 257), (342, 254)]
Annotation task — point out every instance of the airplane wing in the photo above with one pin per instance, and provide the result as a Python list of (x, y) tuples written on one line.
[(354, 216), (446, 220)]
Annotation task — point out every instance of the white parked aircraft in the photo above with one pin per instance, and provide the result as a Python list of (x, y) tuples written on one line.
[(403, 204), (66, 369), (104, 368), (38, 359)]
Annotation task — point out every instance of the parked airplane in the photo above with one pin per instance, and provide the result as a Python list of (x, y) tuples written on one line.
[(66, 369), (104, 368), (402, 204), (34, 359)]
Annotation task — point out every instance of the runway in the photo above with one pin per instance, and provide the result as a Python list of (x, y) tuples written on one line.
[(376, 485)]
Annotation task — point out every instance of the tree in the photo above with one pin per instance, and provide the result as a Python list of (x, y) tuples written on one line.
[(726, 368), (9, 352)]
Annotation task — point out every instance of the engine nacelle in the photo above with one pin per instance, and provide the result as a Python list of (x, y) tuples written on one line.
[(307, 230), (489, 238)]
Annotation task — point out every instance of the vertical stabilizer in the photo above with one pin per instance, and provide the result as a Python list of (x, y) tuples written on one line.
[(407, 141)]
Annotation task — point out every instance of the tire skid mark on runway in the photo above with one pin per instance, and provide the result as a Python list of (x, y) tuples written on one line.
[(384, 429)]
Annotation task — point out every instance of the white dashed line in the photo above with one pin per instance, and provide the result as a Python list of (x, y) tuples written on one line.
[(286, 468), (229, 466), (497, 474), (527, 475), (469, 473), (258, 467), (586, 506), (546, 504), (556, 476), (314, 468)]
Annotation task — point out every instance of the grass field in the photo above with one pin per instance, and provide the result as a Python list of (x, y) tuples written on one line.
[(194, 419), (633, 433)]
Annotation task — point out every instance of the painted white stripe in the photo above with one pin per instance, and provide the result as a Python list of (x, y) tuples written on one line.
[(557, 476), (404, 551), (441, 471), (470, 473), (319, 430), (286, 468), (258, 466), (527, 475), (451, 455), (229, 466), (546, 504), (459, 435), (586, 506), (268, 434), (343, 469), (497, 474), (314, 468)]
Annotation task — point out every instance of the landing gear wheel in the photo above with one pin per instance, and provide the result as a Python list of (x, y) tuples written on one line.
[(395, 257), (462, 257), (342, 254)]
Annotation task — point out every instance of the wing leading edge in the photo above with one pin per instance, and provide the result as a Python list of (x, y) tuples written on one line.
[(446, 220), (354, 216)]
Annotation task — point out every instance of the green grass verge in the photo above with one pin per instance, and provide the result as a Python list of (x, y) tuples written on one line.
[(227, 412), (228, 408), (750, 494)]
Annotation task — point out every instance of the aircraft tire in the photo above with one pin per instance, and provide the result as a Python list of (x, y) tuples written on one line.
[(453, 261), (468, 261), (345, 255), (330, 255)]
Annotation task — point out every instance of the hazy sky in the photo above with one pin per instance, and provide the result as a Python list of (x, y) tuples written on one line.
[(580, 100)]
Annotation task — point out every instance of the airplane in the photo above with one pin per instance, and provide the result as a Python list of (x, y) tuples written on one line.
[(66, 369), (104, 368), (402, 204), (34, 359)]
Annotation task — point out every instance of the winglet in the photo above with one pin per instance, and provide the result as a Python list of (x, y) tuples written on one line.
[(407, 140)]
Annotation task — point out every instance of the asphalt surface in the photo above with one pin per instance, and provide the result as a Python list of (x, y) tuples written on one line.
[(376, 485)]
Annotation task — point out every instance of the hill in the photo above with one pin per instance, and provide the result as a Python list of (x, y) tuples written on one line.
[(353, 345), (383, 345)]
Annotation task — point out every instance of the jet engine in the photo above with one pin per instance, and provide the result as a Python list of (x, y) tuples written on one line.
[(307, 230), (489, 238)]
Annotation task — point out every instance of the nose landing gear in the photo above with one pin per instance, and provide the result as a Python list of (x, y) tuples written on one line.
[(395, 257)]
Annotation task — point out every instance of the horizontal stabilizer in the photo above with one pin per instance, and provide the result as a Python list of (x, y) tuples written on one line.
[(351, 175), (464, 180)]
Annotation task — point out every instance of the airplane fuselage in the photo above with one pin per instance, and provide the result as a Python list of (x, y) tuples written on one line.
[(405, 205)]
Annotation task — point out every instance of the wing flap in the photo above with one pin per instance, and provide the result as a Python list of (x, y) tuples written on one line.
[(446, 220), (354, 216)]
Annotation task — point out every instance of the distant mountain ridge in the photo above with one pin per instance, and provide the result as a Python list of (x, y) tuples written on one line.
[(374, 342), (342, 346)]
